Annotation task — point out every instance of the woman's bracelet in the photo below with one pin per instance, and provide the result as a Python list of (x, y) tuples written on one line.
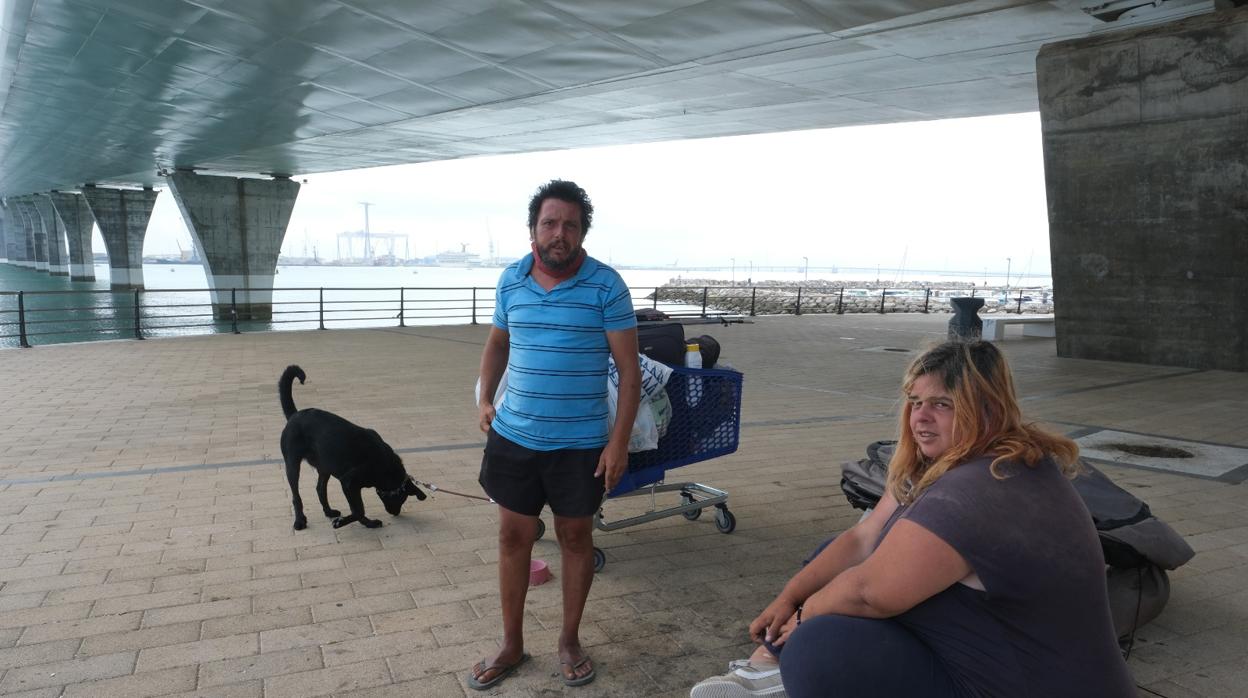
[(799, 614)]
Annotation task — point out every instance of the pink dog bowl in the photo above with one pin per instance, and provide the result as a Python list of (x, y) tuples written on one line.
[(539, 572)]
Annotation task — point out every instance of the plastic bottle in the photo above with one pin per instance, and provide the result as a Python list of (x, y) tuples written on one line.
[(693, 355), (693, 359)]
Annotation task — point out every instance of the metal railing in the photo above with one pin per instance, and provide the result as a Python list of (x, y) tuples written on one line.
[(46, 317)]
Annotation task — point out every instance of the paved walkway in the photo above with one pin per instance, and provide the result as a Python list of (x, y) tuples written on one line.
[(145, 528)]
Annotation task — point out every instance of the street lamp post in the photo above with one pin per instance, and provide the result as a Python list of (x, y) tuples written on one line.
[(1007, 275), (806, 268)]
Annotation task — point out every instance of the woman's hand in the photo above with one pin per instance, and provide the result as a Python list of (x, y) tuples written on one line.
[(786, 630), (770, 623)]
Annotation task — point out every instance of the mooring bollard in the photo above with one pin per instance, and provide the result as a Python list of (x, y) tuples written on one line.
[(138, 330), (965, 323), (21, 319)]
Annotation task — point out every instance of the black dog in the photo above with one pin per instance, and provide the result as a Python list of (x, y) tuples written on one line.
[(355, 455)]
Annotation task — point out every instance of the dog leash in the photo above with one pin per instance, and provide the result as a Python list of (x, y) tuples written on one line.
[(434, 488)]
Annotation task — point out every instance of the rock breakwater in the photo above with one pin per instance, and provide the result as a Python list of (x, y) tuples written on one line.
[(790, 297)]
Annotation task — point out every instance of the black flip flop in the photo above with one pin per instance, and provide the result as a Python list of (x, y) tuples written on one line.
[(579, 681), (502, 671)]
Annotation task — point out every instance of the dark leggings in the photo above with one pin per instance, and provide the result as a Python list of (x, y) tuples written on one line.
[(832, 656)]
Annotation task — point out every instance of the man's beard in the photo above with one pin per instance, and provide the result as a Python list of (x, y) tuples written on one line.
[(550, 262)]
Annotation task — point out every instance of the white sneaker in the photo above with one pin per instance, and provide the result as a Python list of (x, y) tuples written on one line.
[(743, 681), (750, 669)]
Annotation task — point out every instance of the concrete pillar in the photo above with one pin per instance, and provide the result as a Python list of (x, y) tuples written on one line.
[(15, 234), (18, 247), (1145, 143), (122, 215), (36, 241), (53, 234), (76, 217), (237, 226)]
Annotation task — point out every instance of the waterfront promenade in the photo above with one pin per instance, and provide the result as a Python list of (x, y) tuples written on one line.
[(145, 526)]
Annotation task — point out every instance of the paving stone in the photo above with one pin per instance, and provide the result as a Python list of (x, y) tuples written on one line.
[(85, 627), (107, 643), (259, 666), (142, 602), (152, 683), (196, 611), (348, 678), (256, 622), (68, 671), (315, 634), (197, 652), (42, 653), (245, 689), (362, 606)]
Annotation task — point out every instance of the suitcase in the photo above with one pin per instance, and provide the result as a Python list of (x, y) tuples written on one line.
[(663, 342)]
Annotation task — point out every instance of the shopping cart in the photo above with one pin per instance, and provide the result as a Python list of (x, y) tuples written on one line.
[(705, 424)]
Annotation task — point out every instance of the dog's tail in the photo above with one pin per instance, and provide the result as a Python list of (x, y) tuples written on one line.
[(283, 388)]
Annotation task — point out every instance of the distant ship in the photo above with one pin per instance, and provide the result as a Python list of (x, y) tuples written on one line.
[(463, 258)]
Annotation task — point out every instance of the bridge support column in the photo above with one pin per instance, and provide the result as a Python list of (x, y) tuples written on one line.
[(54, 234), (1145, 139), (76, 216), (20, 247), (36, 242), (238, 226), (15, 233), (122, 215)]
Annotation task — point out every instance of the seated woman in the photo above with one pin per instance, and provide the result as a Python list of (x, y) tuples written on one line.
[(978, 574)]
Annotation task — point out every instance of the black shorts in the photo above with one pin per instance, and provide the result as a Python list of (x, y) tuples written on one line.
[(522, 480)]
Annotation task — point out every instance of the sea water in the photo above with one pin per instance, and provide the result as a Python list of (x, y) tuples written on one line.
[(176, 301)]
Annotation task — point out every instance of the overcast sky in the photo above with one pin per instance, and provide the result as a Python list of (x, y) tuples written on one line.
[(961, 194)]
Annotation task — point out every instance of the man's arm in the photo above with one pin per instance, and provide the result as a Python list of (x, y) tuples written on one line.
[(614, 460), (493, 363)]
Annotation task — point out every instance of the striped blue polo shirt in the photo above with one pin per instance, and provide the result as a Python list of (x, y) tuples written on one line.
[(557, 366)]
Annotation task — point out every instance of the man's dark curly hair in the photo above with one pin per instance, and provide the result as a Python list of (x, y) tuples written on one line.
[(562, 190)]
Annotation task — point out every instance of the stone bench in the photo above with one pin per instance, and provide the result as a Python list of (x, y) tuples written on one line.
[(1033, 326)]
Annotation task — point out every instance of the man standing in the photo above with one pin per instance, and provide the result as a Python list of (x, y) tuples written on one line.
[(558, 315)]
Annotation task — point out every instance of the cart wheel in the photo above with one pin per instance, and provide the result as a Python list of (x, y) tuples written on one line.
[(600, 559), (692, 514), (725, 522), (541, 530)]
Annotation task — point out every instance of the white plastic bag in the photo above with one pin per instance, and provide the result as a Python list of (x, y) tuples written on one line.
[(499, 394), (654, 375)]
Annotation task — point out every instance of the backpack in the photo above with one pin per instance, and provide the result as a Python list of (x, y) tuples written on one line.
[(709, 348), (1138, 547)]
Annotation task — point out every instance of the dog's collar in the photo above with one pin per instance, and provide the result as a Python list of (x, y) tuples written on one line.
[(396, 491)]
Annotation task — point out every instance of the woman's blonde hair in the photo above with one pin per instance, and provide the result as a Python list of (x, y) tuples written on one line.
[(986, 419)]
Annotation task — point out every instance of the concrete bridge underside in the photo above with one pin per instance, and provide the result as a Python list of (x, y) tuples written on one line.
[(1141, 106)]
